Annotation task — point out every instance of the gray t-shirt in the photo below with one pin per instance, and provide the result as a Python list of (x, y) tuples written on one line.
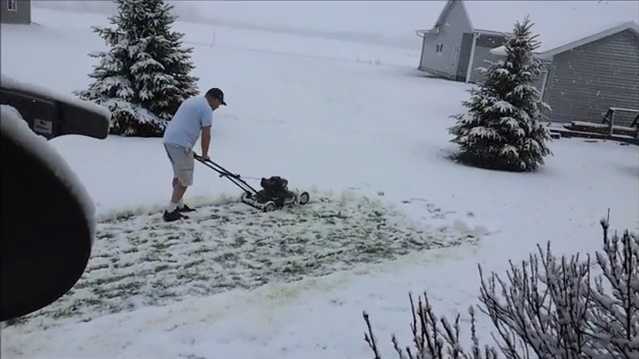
[(192, 115)]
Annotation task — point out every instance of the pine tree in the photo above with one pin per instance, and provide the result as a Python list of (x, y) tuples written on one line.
[(144, 76), (502, 127)]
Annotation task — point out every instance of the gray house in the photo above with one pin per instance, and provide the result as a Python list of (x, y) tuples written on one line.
[(15, 11), (591, 54), (588, 76)]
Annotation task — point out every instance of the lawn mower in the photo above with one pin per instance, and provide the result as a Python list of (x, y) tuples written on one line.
[(273, 195)]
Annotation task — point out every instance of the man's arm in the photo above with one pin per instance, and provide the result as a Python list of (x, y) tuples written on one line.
[(206, 141)]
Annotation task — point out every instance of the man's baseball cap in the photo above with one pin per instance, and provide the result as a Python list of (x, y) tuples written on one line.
[(216, 93)]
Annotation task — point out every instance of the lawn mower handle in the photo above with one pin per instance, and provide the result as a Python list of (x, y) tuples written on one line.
[(223, 172)]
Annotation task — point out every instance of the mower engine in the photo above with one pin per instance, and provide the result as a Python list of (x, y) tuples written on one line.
[(275, 189)]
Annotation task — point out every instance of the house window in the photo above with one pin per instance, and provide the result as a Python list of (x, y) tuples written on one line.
[(439, 47), (12, 5)]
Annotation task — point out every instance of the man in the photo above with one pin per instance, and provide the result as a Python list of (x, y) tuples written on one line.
[(194, 116)]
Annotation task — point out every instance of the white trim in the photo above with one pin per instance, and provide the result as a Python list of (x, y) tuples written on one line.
[(471, 59), (543, 84), (630, 25), (494, 33), (624, 109), (13, 8), (423, 33), (421, 56)]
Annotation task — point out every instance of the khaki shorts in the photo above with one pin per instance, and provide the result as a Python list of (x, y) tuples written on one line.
[(182, 160)]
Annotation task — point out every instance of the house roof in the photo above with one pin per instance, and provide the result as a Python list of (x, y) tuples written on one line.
[(581, 39), (438, 10), (557, 22)]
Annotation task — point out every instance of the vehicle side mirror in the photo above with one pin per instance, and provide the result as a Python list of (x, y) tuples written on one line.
[(47, 217), (52, 115)]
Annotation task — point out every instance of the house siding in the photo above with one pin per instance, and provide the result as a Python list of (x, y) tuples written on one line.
[(451, 32), (482, 54), (22, 16), (585, 81)]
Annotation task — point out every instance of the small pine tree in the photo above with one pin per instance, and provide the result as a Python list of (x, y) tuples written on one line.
[(144, 76), (502, 127)]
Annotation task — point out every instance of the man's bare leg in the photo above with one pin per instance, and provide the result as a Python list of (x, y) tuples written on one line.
[(177, 195)]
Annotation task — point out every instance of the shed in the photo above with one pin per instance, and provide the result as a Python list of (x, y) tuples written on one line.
[(15, 11)]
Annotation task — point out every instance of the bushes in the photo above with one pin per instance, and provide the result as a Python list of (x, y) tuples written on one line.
[(544, 307)]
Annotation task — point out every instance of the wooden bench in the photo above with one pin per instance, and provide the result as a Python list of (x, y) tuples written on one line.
[(609, 118)]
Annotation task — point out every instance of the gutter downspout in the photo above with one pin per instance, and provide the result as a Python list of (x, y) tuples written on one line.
[(422, 36), (471, 59), (547, 64)]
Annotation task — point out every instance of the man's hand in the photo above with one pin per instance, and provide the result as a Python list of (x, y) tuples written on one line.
[(201, 157)]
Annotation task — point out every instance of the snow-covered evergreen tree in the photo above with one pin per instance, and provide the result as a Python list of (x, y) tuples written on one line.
[(502, 127), (144, 76)]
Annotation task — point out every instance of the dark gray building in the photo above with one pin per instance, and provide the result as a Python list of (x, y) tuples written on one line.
[(15, 11), (589, 75), (590, 49)]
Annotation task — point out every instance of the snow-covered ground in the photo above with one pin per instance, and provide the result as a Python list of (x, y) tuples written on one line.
[(143, 261), (354, 122)]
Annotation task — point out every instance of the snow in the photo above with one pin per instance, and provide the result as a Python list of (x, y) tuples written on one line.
[(579, 38), (225, 246), (391, 23), (12, 84), (15, 127), (557, 22), (323, 114)]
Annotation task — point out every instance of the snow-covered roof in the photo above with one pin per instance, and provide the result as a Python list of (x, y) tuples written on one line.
[(580, 39), (557, 22)]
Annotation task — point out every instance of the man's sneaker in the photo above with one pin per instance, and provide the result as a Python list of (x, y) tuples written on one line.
[(185, 209), (173, 216)]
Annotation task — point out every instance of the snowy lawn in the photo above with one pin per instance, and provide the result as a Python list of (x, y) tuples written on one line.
[(313, 111), (144, 261)]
